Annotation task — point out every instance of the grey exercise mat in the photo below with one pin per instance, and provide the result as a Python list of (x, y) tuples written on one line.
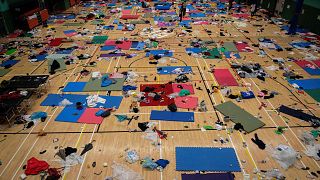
[(94, 84), (239, 115), (230, 47)]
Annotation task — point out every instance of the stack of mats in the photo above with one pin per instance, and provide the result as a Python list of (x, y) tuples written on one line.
[(308, 67), (166, 88), (239, 115), (94, 84), (172, 116), (207, 159), (224, 77), (85, 115), (310, 86), (99, 39), (171, 70), (208, 176)]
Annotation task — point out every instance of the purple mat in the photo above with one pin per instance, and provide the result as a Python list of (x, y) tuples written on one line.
[(112, 55), (209, 176)]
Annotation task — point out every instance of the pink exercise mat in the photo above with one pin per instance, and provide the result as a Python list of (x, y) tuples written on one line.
[(225, 78), (127, 11), (243, 47), (125, 45), (89, 116), (184, 86), (186, 102)]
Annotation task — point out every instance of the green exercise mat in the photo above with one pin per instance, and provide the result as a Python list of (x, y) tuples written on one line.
[(239, 115), (73, 24), (94, 84), (230, 47), (4, 72), (11, 51), (97, 21), (99, 39), (137, 22), (314, 93), (60, 61), (214, 53)]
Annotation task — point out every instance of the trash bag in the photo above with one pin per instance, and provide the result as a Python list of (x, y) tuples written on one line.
[(286, 156), (172, 107), (122, 172)]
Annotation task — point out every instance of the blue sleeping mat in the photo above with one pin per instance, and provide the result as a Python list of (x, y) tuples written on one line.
[(194, 50), (206, 159), (307, 83), (55, 99), (9, 62), (107, 48), (163, 53), (172, 116), (313, 72), (74, 87), (70, 114), (169, 69)]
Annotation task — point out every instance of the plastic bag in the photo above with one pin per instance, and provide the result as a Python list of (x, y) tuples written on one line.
[(121, 172), (132, 156), (313, 151), (284, 155)]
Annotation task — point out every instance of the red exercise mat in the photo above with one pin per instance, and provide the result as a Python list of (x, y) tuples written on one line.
[(56, 42), (186, 102), (166, 88), (129, 16), (304, 63), (243, 47), (89, 116), (317, 62), (224, 77)]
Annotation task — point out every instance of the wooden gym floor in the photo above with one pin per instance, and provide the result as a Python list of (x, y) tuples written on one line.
[(112, 138)]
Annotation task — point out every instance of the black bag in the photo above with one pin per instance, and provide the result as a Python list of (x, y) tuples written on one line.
[(105, 114), (172, 107)]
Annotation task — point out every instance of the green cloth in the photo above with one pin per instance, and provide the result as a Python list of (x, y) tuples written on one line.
[(137, 22), (121, 118), (314, 93), (94, 84), (4, 72), (98, 21), (184, 92), (99, 39), (155, 44), (214, 53), (208, 127), (279, 130), (315, 133), (11, 51), (239, 115)]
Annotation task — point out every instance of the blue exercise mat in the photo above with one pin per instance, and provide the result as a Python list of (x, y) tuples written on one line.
[(163, 53), (9, 62), (41, 57), (70, 114), (55, 99), (206, 159), (172, 116), (107, 48), (69, 31), (312, 72), (194, 50), (74, 87), (108, 27), (306, 83), (120, 27), (163, 7), (116, 21), (169, 69), (134, 44), (197, 15), (185, 23), (140, 46), (300, 44)]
